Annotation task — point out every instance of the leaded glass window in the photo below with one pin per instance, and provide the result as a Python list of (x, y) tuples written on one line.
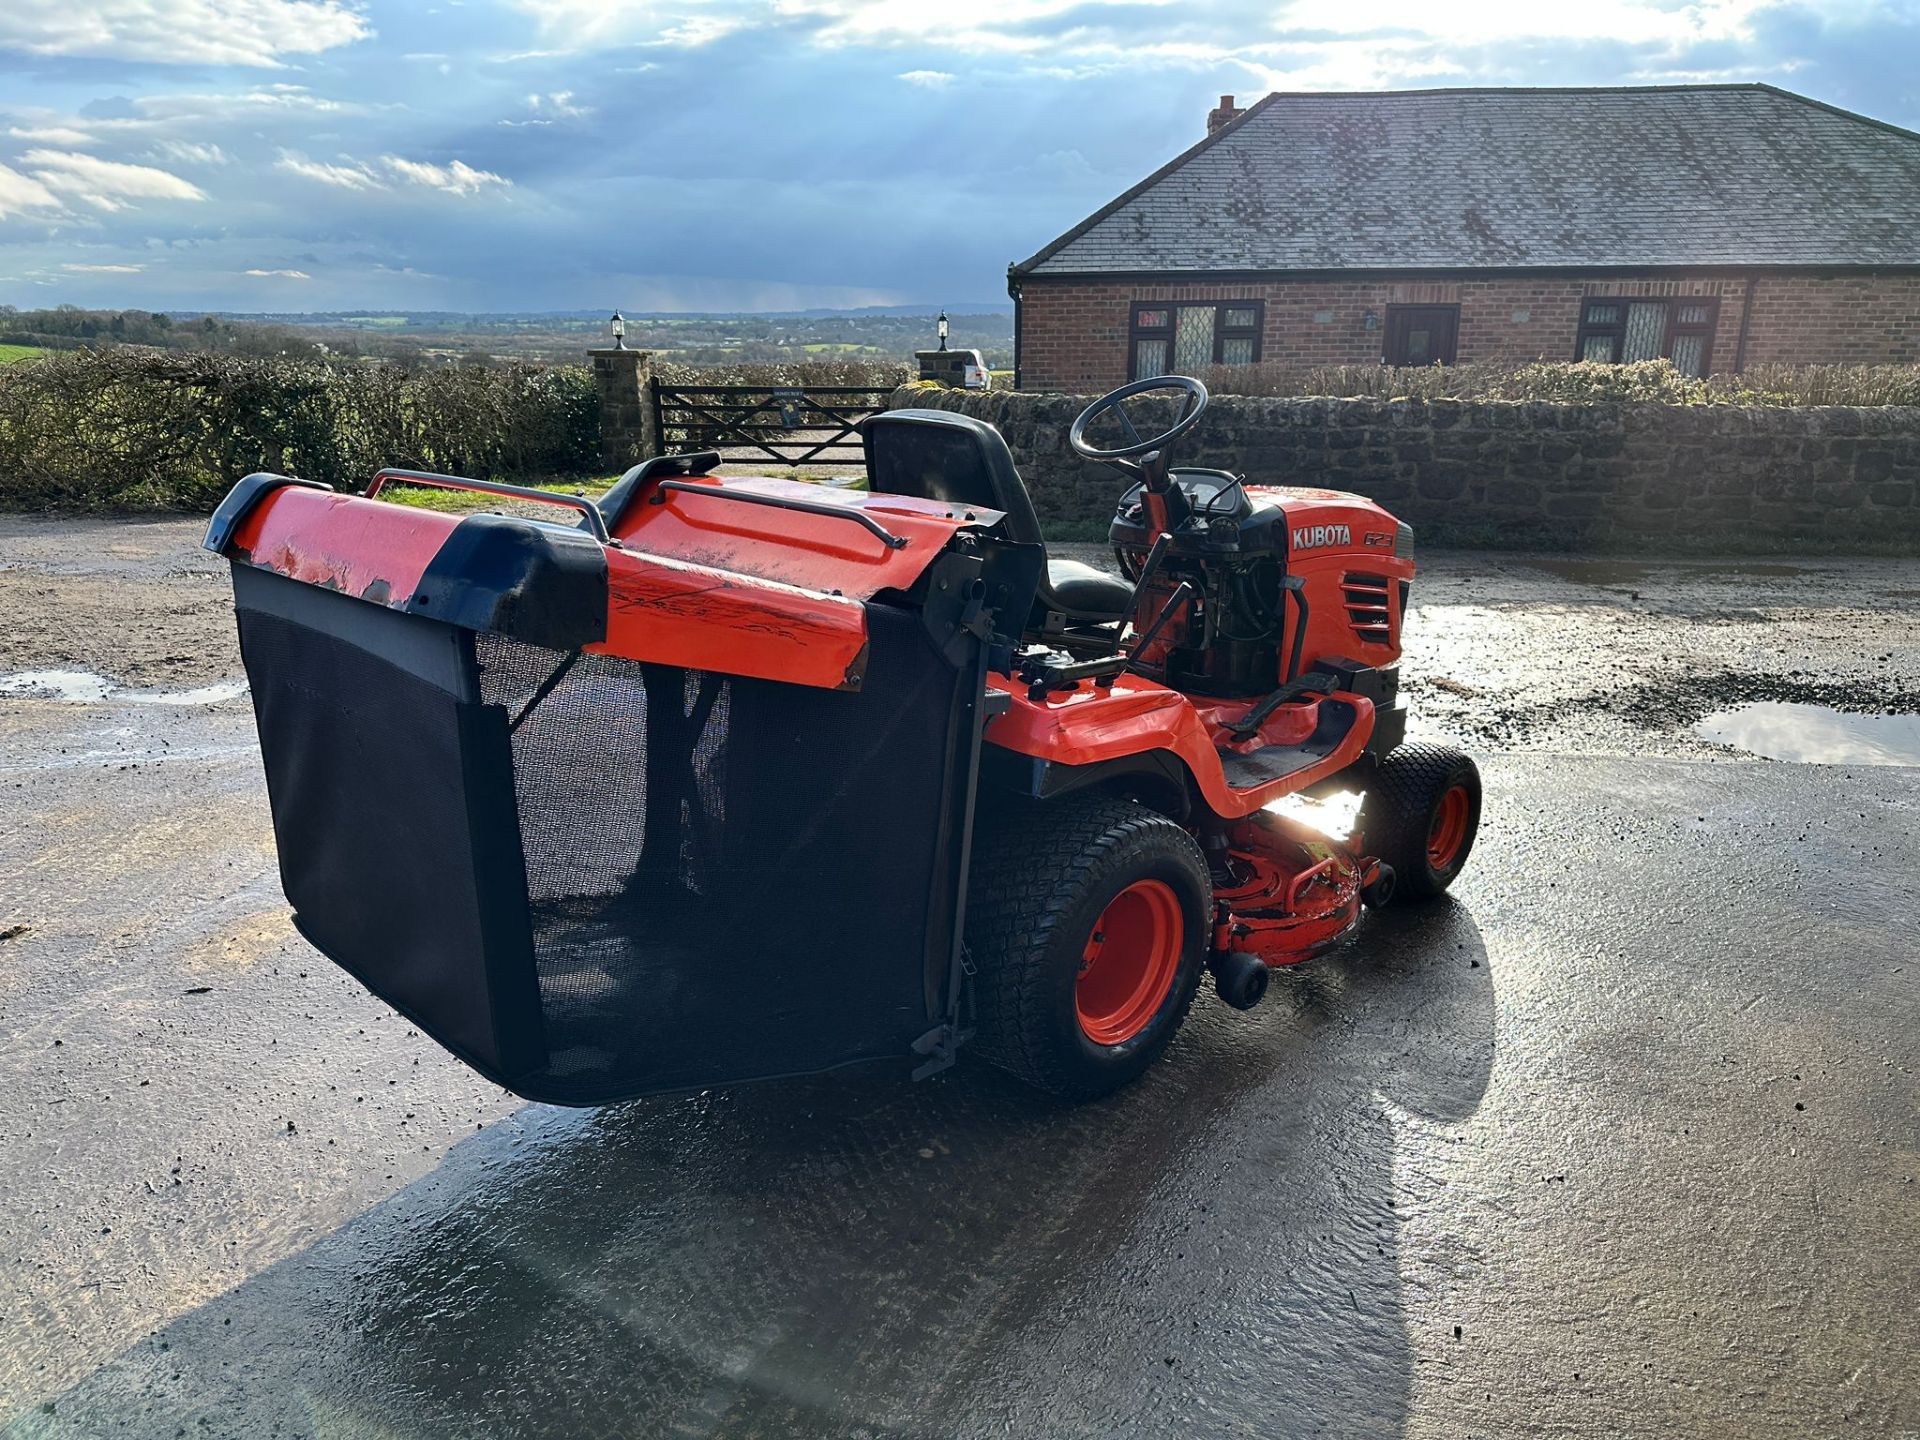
[(1193, 336), (1616, 330)]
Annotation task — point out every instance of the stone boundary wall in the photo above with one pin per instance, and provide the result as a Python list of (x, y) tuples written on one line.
[(1527, 473)]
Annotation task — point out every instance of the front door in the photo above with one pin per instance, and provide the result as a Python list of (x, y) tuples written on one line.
[(1422, 334)]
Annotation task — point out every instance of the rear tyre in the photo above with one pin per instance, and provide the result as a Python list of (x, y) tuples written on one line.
[(1422, 814), (1087, 928)]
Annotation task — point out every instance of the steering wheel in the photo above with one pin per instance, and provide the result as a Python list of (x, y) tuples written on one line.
[(1191, 409)]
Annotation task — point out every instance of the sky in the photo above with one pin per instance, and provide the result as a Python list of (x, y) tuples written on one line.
[(290, 155)]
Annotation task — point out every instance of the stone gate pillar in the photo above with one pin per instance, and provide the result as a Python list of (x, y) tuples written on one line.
[(627, 430)]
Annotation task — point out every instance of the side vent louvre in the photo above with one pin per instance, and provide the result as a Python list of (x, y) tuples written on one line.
[(1366, 601)]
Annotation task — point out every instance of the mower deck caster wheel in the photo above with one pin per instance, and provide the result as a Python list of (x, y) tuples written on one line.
[(1421, 815), (1377, 893), (1241, 980), (1087, 928)]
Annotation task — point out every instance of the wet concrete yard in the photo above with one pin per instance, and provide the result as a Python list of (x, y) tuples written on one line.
[(1624, 1140)]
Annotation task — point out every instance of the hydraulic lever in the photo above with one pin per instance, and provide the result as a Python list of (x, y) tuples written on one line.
[(1148, 568), (1103, 670), (1182, 596)]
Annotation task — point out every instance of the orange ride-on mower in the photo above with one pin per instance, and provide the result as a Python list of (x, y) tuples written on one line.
[(724, 779)]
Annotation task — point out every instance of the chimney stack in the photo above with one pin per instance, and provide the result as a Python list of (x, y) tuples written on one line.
[(1225, 113)]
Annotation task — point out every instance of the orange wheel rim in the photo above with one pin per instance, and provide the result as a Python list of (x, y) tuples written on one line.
[(1449, 829), (1129, 962)]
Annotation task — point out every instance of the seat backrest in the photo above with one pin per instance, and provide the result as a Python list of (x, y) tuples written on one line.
[(952, 459)]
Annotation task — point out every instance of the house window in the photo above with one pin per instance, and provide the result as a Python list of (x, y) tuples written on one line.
[(1422, 334), (1183, 339), (1617, 330)]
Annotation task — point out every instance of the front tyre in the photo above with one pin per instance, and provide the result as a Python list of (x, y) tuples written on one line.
[(1087, 928), (1421, 816)]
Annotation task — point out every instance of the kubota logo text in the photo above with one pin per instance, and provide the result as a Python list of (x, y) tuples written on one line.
[(1312, 537)]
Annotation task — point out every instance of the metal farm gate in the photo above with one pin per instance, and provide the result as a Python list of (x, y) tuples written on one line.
[(793, 425)]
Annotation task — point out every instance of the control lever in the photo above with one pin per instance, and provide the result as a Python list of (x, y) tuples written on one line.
[(1182, 596), (1148, 568), (1314, 682)]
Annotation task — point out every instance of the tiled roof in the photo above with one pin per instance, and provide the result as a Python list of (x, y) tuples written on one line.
[(1531, 179)]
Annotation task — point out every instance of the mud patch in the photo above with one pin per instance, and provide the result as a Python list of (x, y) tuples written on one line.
[(149, 631), (1814, 734)]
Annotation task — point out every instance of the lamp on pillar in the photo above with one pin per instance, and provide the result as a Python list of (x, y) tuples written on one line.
[(629, 417), (940, 328)]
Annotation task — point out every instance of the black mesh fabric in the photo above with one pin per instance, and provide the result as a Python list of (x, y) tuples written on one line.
[(730, 877), (397, 851), (593, 878)]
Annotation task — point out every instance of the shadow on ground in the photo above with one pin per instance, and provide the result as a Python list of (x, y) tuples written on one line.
[(1214, 1251)]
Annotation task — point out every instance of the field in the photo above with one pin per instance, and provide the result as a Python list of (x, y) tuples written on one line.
[(11, 353)]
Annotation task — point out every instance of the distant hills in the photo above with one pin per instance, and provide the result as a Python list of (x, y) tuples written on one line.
[(468, 319)]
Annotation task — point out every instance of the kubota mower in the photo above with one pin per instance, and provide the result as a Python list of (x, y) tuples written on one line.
[(722, 779)]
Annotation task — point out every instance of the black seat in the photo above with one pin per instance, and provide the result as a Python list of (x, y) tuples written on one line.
[(957, 460)]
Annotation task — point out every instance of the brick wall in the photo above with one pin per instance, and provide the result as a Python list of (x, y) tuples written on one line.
[(1074, 334), (1838, 320), (1635, 477)]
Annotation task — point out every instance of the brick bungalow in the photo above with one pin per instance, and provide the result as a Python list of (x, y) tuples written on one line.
[(1719, 225)]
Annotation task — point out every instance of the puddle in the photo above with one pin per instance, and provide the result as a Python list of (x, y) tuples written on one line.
[(85, 687), (1612, 573), (1594, 572), (1761, 572), (1815, 735)]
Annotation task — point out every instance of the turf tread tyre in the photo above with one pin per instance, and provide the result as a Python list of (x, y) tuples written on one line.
[(1407, 785), (1041, 874)]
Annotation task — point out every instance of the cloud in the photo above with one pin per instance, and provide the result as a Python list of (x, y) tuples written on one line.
[(456, 177), (103, 269), (1626, 22), (51, 134), (278, 274), (1025, 115), (19, 193), (351, 176), (106, 184), (558, 103), (180, 32), (698, 30), (187, 152), (575, 25)]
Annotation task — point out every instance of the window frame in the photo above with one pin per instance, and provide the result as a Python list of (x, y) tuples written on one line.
[(1221, 331), (1671, 328)]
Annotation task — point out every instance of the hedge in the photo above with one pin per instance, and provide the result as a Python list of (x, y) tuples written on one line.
[(1577, 382), (140, 428)]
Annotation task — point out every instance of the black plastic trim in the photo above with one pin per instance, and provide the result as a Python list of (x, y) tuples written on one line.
[(242, 498), (1333, 723), (614, 503), (1160, 776), (544, 584)]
